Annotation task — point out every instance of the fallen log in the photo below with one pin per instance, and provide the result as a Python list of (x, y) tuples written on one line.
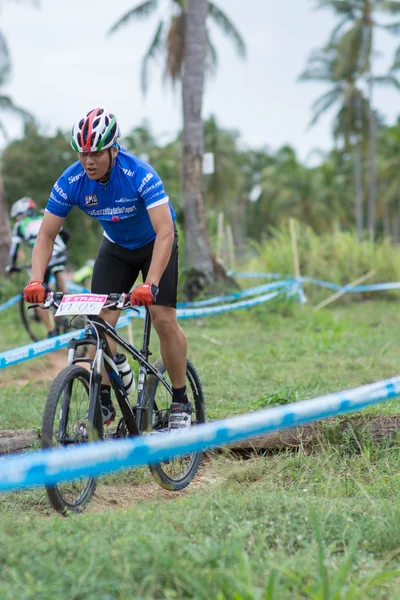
[(336, 431), (14, 440)]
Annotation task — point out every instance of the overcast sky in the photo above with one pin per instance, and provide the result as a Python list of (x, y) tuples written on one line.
[(64, 65)]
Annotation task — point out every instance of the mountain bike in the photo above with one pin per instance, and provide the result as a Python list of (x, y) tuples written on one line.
[(73, 415)]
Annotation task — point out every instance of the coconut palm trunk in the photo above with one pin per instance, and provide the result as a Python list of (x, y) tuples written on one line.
[(197, 247)]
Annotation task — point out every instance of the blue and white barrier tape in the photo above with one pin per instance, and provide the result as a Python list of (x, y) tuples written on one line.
[(10, 302), (373, 287), (17, 355), (51, 466), (78, 289), (194, 313), (259, 289), (251, 275)]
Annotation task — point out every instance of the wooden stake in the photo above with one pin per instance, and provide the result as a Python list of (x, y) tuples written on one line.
[(294, 249), (231, 248), (341, 292)]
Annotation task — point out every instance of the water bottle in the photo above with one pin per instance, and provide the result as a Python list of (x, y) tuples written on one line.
[(125, 372)]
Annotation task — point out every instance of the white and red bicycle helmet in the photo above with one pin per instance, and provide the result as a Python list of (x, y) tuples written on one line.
[(24, 206), (97, 131)]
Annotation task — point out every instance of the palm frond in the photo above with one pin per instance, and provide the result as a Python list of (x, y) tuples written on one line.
[(6, 103), (339, 6), (387, 80), (315, 75), (226, 25), (396, 60), (393, 28), (337, 30), (175, 48), (5, 62), (152, 51), (138, 12), (3, 130), (320, 65), (390, 6), (353, 51), (211, 55), (323, 103)]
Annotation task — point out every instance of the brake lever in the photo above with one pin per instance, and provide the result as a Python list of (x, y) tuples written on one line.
[(120, 305), (49, 301)]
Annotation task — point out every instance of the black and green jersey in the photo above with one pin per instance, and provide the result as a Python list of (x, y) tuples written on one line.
[(26, 231)]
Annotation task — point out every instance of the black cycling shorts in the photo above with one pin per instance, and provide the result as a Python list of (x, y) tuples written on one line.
[(116, 270)]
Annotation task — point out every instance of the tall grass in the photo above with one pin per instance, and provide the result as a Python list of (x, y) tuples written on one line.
[(337, 256)]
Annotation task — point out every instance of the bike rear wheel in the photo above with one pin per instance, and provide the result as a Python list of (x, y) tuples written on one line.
[(65, 424), (34, 325), (175, 473)]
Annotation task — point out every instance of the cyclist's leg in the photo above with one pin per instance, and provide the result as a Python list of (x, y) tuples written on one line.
[(61, 281), (173, 345), (112, 273)]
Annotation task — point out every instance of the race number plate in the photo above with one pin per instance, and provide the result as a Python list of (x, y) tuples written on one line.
[(81, 304)]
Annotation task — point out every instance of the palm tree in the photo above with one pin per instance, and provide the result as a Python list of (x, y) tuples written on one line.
[(197, 248), (351, 120), (188, 49), (289, 189), (356, 48), (168, 41)]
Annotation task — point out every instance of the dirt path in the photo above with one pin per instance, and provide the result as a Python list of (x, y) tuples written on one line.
[(121, 497), (42, 370)]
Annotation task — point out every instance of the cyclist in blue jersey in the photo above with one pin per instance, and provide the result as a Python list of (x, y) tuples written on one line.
[(127, 197)]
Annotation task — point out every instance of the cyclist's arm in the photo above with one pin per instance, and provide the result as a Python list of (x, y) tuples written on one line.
[(160, 217), (43, 247)]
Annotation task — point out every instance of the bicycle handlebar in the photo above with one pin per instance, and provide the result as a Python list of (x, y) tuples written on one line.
[(116, 301)]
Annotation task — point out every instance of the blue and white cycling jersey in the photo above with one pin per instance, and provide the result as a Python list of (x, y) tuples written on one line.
[(120, 205)]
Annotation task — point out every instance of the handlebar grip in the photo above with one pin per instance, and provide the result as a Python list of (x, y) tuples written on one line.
[(58, 296), (116, 297)]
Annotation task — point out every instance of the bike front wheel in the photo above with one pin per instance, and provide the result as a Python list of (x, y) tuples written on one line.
[(66, 424), (175, 473)]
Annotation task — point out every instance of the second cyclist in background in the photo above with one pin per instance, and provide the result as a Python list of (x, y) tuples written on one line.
[(27, 221)]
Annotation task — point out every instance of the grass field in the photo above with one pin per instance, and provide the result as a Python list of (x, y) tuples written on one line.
[(282, 526)]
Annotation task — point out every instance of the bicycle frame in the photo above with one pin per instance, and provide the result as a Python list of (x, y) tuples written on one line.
[(98, 329)]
